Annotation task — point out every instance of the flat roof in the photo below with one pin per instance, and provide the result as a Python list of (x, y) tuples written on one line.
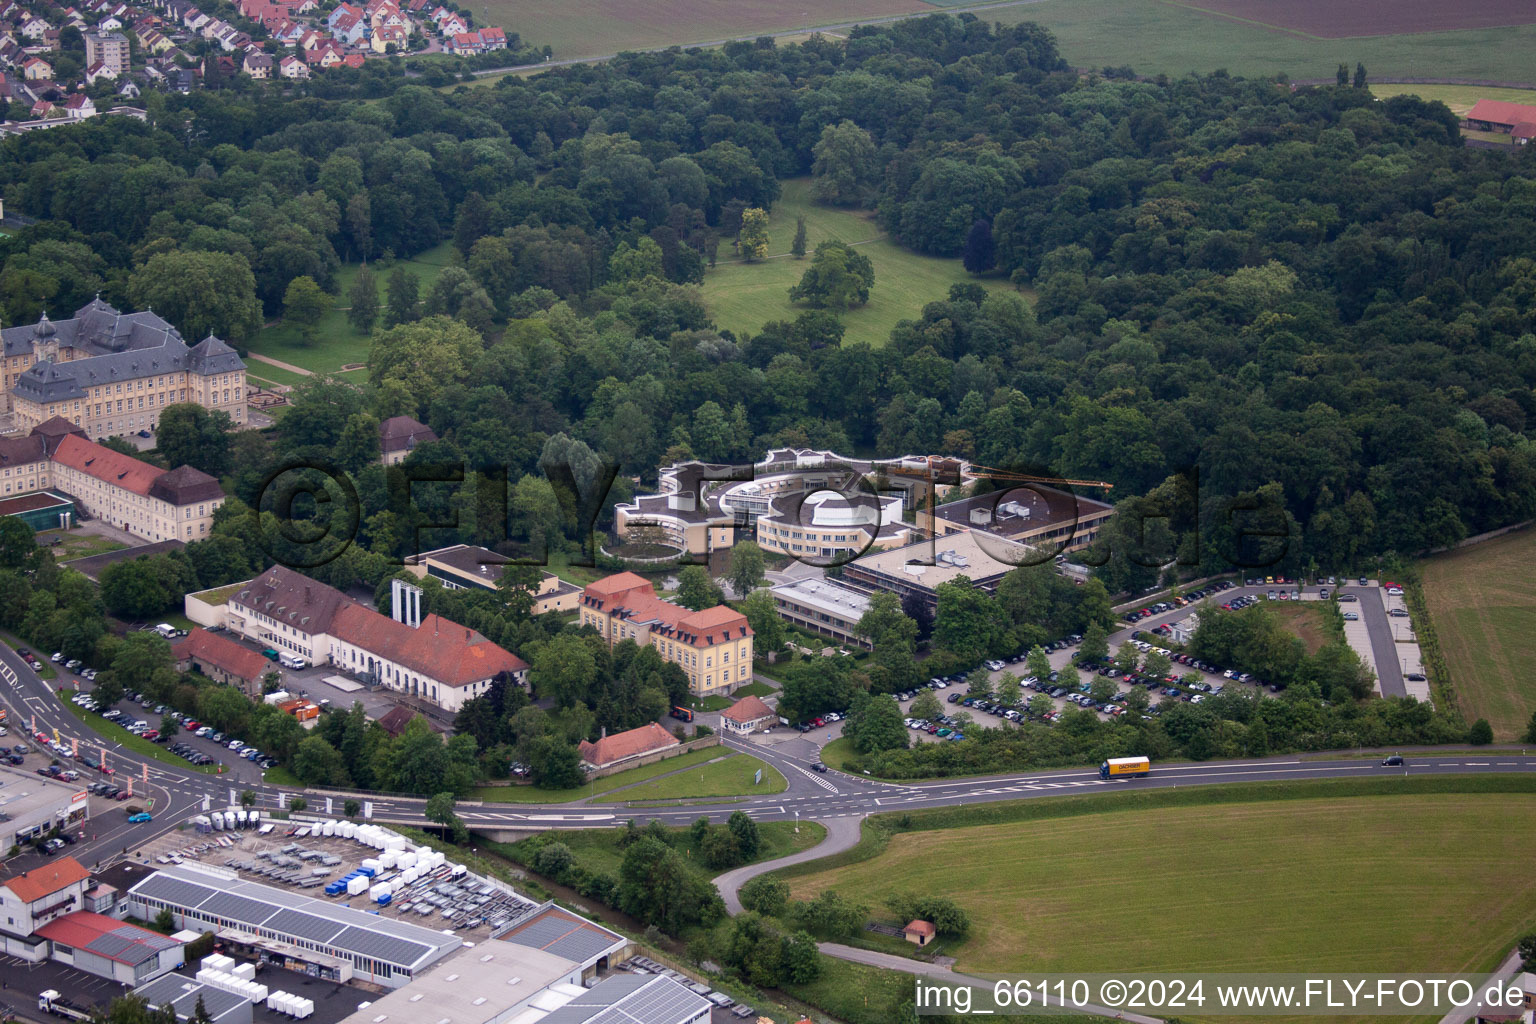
[(1021, 509), (633, 999), (92, 565), (827, 596), (474, 985), (25, 793), (32, 502), (969, 553), (182, 993), (324, 923), (558, 931)]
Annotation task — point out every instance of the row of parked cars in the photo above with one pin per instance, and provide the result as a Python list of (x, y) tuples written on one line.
[(139, 727), (1180, 601)]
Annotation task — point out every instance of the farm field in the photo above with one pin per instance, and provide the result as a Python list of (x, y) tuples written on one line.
[(1483, 603), (1157, 36), (336, 343), (588, 28), (1456, 895), (744, 296), (1325, 19), (1459, 98), (730, 776)]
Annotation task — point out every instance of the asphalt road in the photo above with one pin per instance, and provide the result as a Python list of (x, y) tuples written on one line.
[(177, 792)]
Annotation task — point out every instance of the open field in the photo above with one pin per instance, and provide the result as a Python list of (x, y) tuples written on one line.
[(744, 296), (1305, 620), (1325, 19), (336, 343), (731, 776), (1458, 97), (1456, 893), (1155, 36), (1483, 602), (585, 28)]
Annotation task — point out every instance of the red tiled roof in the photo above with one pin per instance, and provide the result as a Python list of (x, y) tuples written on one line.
[(633, 598), (40, 883), (82, 929), (647, 739), (221, 652), (920, 927), (105, 464), (1524, 130), (1500, 112), (748, 709), (439, 649)]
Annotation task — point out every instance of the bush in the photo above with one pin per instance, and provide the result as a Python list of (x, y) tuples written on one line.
[(943, 913), (553, 860), (768, 896), (1481, 733)]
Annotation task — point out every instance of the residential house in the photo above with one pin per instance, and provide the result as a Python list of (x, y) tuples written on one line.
[(354, 60), (390, 39), (449, 23), (37, 70), (463, 43), (195, 19), (258, 64), (79, 106), (493, 38), (399, 436), (96, 72), (108, 24), (747, 715), (292, 67), (44, 894), (34, 28), (152, 40), (129, 89), (349, 29), (342, 10), (109, 49)]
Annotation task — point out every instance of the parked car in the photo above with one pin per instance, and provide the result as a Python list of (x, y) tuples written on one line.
[(140, 817)]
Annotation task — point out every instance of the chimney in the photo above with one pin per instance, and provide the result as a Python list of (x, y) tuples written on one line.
[(468, 634)]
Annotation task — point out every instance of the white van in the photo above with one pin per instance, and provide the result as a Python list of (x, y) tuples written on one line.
[(292, 661)]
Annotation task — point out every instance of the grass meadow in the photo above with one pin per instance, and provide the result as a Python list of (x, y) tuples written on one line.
[(1483, 602), (744, 296), (1157, 36), (1372, 883), (729, 776), (336, 343)]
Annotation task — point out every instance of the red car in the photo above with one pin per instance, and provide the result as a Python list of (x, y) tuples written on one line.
[(123, 795)]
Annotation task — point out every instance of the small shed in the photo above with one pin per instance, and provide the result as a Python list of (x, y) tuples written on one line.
[(919, 933)]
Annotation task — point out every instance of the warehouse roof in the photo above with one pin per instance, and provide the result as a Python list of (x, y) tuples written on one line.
[(633, 999), (183, 993), (107, 937), (253, 906), (558, 931), (473, 986)]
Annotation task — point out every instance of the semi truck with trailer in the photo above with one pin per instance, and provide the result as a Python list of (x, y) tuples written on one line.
[(1125, 767)]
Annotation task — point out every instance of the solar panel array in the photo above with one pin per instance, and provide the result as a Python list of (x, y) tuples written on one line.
[(291, 915), (183, 993), (630, 999), (557, 934)]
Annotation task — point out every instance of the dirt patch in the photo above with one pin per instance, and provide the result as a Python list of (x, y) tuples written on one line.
[(1328, 19), (1305, 620)]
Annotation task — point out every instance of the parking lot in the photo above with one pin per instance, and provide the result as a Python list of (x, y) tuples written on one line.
[(289, 855), (144, 717)]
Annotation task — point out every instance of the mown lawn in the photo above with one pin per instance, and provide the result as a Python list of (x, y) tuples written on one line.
[(729, 777), (1483, 602), (336, 343), (744, 296), (534, 794), (1294, 885), (598, 848)]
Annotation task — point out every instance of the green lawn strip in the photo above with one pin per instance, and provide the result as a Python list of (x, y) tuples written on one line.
[(729, 777), (597, 849), (1453, 885), (714, 702), (279, 775), (74, 544), (755, 689), (838, 754), (536, 795), (744, 296), (137, 744)]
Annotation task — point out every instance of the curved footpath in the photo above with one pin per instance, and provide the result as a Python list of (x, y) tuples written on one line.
[(842, 834)]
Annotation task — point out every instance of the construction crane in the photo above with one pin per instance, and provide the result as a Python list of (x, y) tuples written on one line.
[(990, 473)]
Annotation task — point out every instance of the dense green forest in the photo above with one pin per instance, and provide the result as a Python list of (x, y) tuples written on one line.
[(1306, 291)]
